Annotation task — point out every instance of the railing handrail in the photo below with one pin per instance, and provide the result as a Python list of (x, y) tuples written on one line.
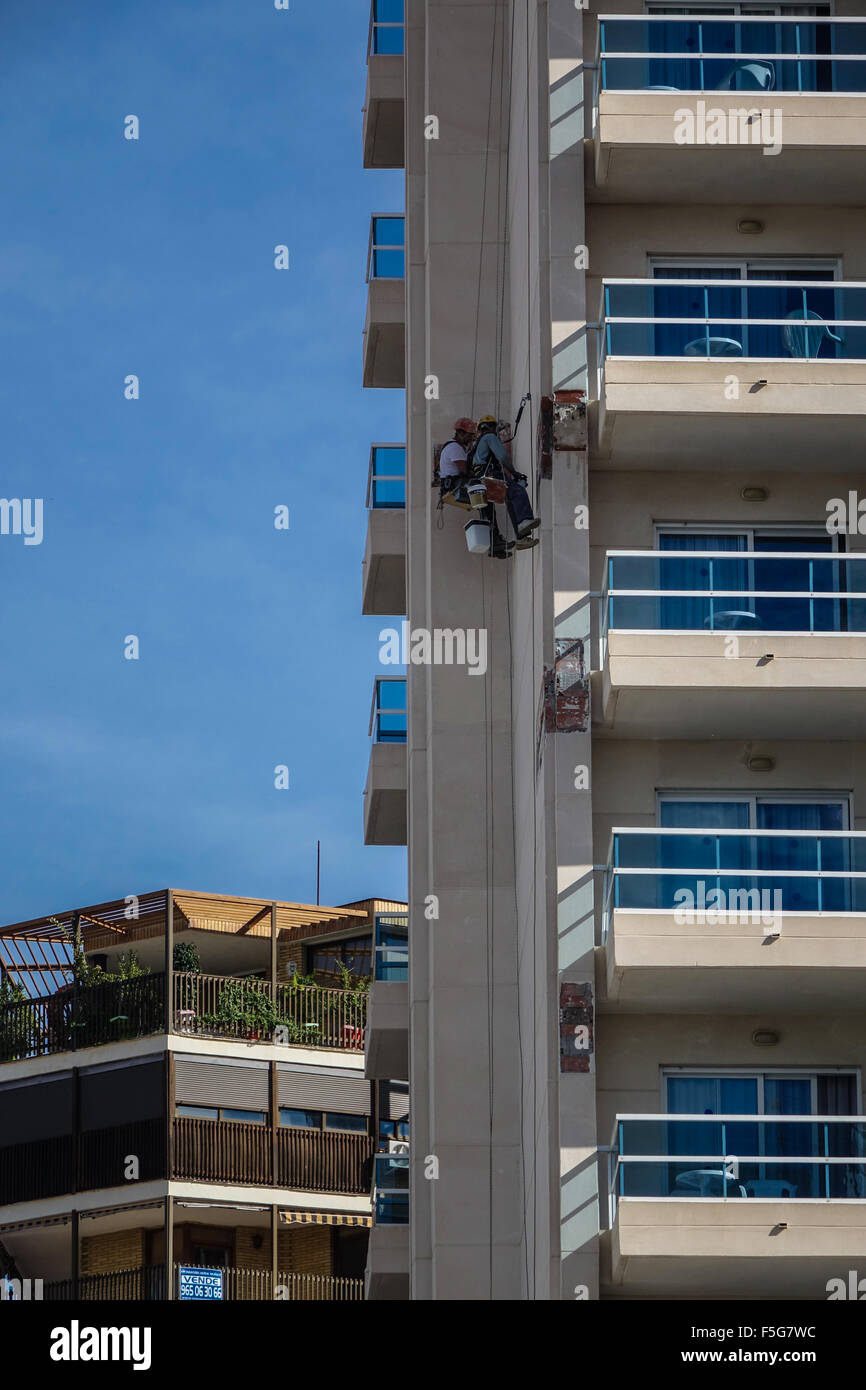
[(733, 830), (741, 282), (834, 555), (720, 18), (665, 1115)]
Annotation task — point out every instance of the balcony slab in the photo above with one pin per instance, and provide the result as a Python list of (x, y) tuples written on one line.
[(384, 566), (383, 112), (654, 964), (712, 1248), (700, 685), (636, 158), (679, 413)]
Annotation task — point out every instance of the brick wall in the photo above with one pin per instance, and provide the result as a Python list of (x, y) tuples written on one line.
[(114, 1250), (287, 952), (301, 1249)]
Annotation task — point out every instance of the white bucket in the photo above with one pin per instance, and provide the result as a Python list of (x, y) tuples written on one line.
[(477, 494), (477, 536)]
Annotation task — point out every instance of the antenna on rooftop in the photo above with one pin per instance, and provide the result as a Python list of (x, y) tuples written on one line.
[(318, 869)]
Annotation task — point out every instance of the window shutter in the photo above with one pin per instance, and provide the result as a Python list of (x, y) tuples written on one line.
[(121, 1095), (38, 1110), (235, 1085), (394, 1100), (303, 1090)]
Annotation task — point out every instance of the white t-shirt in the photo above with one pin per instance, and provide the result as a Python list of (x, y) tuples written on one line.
[(452, 455)]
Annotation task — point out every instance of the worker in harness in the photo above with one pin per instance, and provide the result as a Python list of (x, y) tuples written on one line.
[(452, 460), (491, 455), (454, 469)]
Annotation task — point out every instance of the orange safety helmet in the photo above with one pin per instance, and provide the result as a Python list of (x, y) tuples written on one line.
[(464, 424)]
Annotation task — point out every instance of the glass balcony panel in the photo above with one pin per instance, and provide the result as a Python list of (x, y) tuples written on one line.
[(733, 55), (754, 586), (717, 315), (816, 878), (391, 1191), (765, 1157), (388, 477)]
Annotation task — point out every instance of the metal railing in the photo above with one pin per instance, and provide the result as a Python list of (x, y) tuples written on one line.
[(82, 1016), (773, 54), (316, 1288), (765, 320), (710, 875), (143, 1285), (40, 1168), (391, 1189), (223, 1006), (386, 250), (743, 590), (387, 27), (386, 478), (147, 1284), (389, 711), (737, 1156)]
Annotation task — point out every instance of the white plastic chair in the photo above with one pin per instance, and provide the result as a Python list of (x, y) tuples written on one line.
[(803, 339), (748, 77)]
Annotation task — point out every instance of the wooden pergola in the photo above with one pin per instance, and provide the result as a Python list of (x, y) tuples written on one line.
[(38, 954)]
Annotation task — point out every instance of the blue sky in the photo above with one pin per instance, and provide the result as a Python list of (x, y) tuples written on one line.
[(156, 257)]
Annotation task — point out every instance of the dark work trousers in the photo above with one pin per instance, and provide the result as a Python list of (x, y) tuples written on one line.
[(488, 512), (518, 503)]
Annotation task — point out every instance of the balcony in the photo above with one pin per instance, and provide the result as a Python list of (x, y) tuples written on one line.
[(385, 326), (387, 1046), (762, 643), (384, 101), (387, 1274), (739, 1206), (698, 920), (211, 1006), (233, 1152), (673, 97), (384, 569), (385, 792), (707, 372)]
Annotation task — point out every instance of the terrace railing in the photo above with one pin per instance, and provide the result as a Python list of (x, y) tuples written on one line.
[(770, 54), (765, 320), (97, 1158), (143, 1285), (230, 1151), (738, 1156), (723, 591), (147, 1284), (85, 1016), (311, 1015), (755, 874)]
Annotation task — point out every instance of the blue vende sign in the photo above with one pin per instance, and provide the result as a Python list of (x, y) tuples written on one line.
[(204, 1284)]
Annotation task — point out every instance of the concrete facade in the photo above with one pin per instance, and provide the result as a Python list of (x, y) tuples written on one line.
[(528, 1032)]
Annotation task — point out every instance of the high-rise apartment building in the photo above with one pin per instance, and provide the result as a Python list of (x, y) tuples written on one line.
[(637, 868)]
